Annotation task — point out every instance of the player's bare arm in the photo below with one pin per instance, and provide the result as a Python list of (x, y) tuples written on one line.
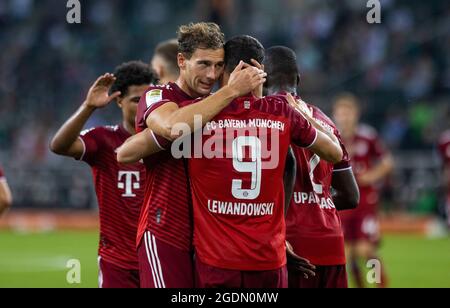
[(326, 148), (301, 107), (5, 197), (138, 147), (346, 192), (378, 172), (326, 145), (66, 141), (243, 80), (290, 172)]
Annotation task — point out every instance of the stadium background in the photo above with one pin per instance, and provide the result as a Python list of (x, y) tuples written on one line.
[(400, 69)]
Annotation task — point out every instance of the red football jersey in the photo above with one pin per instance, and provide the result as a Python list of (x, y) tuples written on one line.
[(167, 210), (2, 175), (120, 193), (365, 150), (313, 226), (237, 184)]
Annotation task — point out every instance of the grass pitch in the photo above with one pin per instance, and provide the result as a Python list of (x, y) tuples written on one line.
[(41, 260)]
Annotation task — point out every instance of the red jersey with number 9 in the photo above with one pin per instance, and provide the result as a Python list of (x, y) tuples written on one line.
[(237, 183)]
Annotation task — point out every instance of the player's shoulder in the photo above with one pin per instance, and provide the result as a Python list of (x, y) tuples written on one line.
[(367, 132), (322, 117), (101, 130), (156, 93), (273, 104), (160, 87)]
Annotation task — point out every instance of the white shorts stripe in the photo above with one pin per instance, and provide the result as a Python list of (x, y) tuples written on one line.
[(159, 263), (155, 280), (100, 274)]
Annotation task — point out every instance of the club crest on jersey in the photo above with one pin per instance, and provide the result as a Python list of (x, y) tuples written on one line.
[(153, 96)]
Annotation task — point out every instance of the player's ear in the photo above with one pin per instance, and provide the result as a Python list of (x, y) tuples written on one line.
[(181, 60), (119, 102)]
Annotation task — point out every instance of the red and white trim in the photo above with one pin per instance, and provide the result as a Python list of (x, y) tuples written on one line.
[(153, 260), (100, 273)]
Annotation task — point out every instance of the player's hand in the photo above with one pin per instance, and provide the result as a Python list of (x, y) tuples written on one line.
[(300, 106), (246, 78), (98, 95), (258, 91), (298, 263)]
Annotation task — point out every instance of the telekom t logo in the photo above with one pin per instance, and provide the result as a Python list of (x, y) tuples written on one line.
[(132, 179)]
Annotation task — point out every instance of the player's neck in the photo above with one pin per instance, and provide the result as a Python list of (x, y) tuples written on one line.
[(168, 79), (182, 84), (129, 127), (276, 90)]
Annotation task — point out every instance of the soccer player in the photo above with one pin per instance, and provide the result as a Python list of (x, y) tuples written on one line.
[(165, 228), (5, 194), (371, 163), (119, 188), (313, 225), (164, 61), (444, 150), (239, 228), (218, 173)]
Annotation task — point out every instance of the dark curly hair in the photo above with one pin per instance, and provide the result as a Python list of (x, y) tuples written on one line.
[(134, 73)]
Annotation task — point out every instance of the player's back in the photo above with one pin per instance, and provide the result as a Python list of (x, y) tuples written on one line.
[(313, 224), (120, 192), (237, 185)]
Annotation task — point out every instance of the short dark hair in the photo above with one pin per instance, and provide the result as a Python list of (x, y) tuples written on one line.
[(281, 67), (168, 50), (203, 35), (134, 73), (242, 48)]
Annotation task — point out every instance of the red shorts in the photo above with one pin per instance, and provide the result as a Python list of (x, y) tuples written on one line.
[(327, 277), (112, 276), (212, 277), (360, 227), (163, 266)]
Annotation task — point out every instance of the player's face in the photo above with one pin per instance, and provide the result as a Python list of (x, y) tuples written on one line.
[(202, 70), (130, 102), (346, 117)]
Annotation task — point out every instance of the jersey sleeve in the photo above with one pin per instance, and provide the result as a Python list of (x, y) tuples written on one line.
[(162, 142), (345, 163), (91, 139), (2, 175), (154, 98), (303, 134)]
